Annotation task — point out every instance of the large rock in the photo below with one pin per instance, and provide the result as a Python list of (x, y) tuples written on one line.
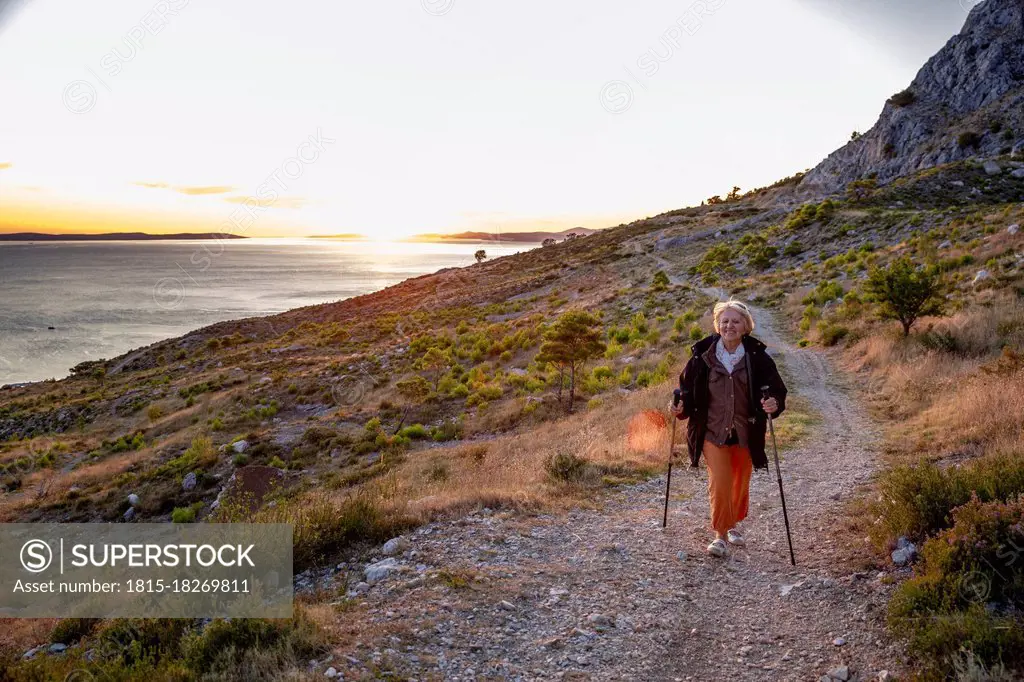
[(992, 168), (904, 553), (394, 546), (381, 570), (976, 77), (1018, 150), (189, 482), (840, 673)]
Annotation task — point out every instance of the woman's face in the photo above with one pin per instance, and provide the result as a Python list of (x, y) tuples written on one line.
[(731, 325)]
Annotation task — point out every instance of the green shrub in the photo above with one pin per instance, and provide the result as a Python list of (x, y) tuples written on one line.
[(794, 248), (238, 645), (450, 429), (323, 526), (71, 630), (969, 139), (565, 467), (826, 291), (717, 258), (318, 435), (966, 589), (831, 333), (277, 462), (803, 216), (809, 316), (134, 641), (125, 443), (917, 501), (183, 515), (200, 454), (415, 431), (696, 332)]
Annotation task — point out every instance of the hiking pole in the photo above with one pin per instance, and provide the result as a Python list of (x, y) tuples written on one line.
[(676, 395), (778, 472)]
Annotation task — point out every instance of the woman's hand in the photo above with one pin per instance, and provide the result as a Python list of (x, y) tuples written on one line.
[(676, 409), (769, 405)]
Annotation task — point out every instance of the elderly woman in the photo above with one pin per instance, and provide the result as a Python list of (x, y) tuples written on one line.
[(721, 396)]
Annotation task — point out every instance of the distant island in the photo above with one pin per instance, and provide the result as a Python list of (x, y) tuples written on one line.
[(348, 236), (514, 237), (111, 236)]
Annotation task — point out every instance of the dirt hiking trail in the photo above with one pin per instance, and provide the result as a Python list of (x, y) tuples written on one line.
[(609, 595)]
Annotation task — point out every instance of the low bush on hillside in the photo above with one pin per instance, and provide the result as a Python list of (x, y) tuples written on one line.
[(565, 467), (918, 500), (967, 591), (179, 649), (324, 525), (969, 139)]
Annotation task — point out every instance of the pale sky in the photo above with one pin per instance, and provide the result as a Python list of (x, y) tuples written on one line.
[(429, 115)]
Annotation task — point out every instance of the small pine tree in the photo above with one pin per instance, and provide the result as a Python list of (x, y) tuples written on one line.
[(436, 363), (573, 339), (905, 292), (414, 390)]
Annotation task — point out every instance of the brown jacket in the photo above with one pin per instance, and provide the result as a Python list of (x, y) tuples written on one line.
[(695, 384), (729, 396)]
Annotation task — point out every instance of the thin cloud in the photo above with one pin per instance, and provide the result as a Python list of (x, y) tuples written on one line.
[(5, 166), (280, 202), (213, 189), (189, 190)]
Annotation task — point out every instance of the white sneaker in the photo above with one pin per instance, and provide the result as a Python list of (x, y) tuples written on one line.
[(735, 538), (717, 548)]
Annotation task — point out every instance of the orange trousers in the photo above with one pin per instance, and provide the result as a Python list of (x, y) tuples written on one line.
[(729, 469)]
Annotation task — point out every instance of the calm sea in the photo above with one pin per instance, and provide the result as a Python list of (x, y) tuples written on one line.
[(103, 299)]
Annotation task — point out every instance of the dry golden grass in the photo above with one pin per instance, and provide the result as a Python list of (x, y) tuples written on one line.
[(938, 401), (20, 634), (982, 409), (509, 470), (56, 483)]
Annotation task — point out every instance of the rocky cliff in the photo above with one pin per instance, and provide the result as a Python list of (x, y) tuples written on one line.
[(968, 100)]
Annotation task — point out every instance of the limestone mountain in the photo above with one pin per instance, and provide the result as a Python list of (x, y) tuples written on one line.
[(967, 100)]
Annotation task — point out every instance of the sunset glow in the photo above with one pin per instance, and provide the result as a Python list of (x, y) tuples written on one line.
[(424, 117)]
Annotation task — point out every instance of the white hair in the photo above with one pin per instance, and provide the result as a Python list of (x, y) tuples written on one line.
[(739, 307)]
